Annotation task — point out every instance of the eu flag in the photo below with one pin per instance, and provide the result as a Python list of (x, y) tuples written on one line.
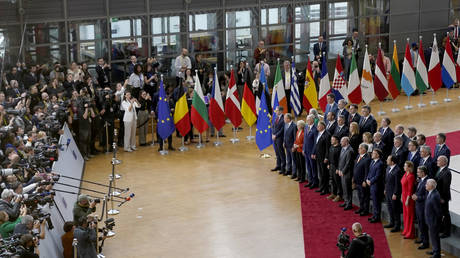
[(263, 129), (165, 125), (262, 77)]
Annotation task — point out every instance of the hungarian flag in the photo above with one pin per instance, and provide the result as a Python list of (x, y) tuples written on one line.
[(310, 96), (324, 85), (408, 76), (182, 116), (367, 84), (448, 73), (434, 69), (380, 79), (232, 103), (248, 106), (354, 89), (339, 86), (278, 94), (216, 107), (421, 75), (199, 113), (394, 82)]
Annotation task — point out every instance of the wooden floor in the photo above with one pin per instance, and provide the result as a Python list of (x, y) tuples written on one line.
[(223, 201)]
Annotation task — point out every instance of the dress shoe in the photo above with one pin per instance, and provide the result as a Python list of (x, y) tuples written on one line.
[(418, 241), (308, 185), (430, 253), (444, 235), (288, 173), (293, 177), (422, 247), (331, 197), (358, 211), (342, 205), (348, 208), (171, 148), (337, 199), (391, 225), (275, 169), (395, 230), (282, 172), (323, 193), (297, 179), (375, 220), (313, 186), (364, 213), (318, 190)]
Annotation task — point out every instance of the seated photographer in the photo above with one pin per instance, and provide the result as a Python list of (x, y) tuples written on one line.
[(6, 226), (12, 208), (83, 207), (86, 236), (29, 226), (29, 247), (362, 246)]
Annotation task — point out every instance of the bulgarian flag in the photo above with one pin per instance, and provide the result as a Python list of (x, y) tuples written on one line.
[(394, 82), (199, 113), (182, 116)]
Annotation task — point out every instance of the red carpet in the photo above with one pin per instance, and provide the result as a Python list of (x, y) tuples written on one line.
[(453, 141), (322, 220)]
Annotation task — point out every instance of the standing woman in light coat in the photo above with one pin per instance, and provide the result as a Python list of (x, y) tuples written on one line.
[(129, 105)]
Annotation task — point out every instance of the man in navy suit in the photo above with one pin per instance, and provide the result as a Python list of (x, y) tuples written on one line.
[(367, 122), (320, 49), (373, 180), (413, 154), (331, 106), (345, 171), (353, 115), (341, 130), (399, 151), (360, 172), (387, 136), (277, 137), (290, 129), (322, 143), (441, 147), (331, 123), (342, 111), (443, 179), (393, 194), (419, 197), (427, 161), (307, 150), (433, 215), (378, 143), (399, 131)]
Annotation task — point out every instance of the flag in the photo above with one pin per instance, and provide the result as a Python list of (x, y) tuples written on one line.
[(295, 96), (421, 75), (216, 107), (394, 82), (262, 77), (367, 85), (232, 103), (380, 78), (339, 86), (199, 113), (448, 73), (434, 70), (248, 106), (165, 125), (457, 67), (263, 130), (182, 116), (408, 77), (310, 96), (354, 89), (324, 85), (278, 94)]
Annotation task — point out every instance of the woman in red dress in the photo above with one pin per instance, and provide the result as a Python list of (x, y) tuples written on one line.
[(408, 188)]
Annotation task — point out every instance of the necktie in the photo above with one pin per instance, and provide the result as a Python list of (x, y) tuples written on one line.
[(359, 159), (437, 173), (277, 119), (409, 156)]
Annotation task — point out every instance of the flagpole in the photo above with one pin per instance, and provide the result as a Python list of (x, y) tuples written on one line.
[(250, 137), (394, 109), (421, 104), (217, 143), (153, 133), (433, 101), (447, 99), (409, 106), (199, 145), (234, 139), (163, 150), (182, 148)]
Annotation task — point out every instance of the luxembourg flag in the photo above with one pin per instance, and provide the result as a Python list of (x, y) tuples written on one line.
[(324, 86), (448, 72), (408, 76)]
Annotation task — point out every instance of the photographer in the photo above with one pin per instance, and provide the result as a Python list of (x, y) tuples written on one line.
[(13, 210), (85, 116), (83, 207), (29, 247), (362, 246), (86, 235), (29, 226), (108, 111), (144, 114), (6, 226)]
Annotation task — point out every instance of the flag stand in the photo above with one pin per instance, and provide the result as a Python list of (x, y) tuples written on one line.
[(421, 104), (234, 139), (182, 148), (408, 106), (381, 112), (217, 143), (265, 156), (433, 101), (153, 135), (395, 109), (163, 150), (199, 145), (250, 137), (447, 99)]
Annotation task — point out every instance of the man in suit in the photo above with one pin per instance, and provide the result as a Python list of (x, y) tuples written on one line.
[(443, 179), (413, 154), (360, 172), (320, 49), (393, 194), (387, 136), (316, 69), (331, 123), (412, 133), (345, 171), (374, 178), (377, 137), (277, 137), (353, 115), (419, 197), (286, 79), (441, 147), (103, 73), (342, 111), (320, 149), (399, 131), (341, 130), (433, 215), (427, 161), (421, 140), (290, 129), (356, 44), (332, 164), (399, 151), (307, 150), (367, 122), (331, 106)]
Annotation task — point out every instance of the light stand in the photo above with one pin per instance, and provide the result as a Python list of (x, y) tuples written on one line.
[(234, 139), (200, 145), (182, 148), (163, 150), (250, 136)]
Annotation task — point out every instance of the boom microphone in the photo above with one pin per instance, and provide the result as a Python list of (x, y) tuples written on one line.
[(127, 199)]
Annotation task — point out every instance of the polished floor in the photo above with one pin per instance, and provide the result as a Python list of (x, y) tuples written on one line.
[(223, 201)]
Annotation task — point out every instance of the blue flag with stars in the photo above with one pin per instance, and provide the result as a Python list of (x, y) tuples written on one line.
[(263, 129), (165, 125)]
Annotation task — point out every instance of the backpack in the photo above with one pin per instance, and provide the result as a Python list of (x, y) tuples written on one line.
[(368, 243)]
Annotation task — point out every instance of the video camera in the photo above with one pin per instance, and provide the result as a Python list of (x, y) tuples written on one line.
[(343, 241)]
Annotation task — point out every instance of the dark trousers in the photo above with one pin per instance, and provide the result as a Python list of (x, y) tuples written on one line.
[(84, 140), (364, 197), (435, 240), (121, 130), (95, 132), (347, 189), (446, 222), (311, 170), (422, 226), (394, 210), (160, 141), (290, 164), (288, 100), (376, 205), (280, 155), (323, 175), (333, 180), (299, 166)]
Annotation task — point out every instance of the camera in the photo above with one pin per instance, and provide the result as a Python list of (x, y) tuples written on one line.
[(9, 171), (343, 241), (97, 200)]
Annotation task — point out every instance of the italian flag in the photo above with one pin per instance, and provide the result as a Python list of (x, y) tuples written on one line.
[(354, 89), (199, 113)]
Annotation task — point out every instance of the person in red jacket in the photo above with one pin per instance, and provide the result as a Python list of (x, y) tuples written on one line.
[(408, 189)]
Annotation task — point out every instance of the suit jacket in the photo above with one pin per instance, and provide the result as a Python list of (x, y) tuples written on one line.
[(444, 178), (400, 154), (86, 238), (433, 212), (393, 182), (346, 161), (299, 137), (331, 127), (344, 113), (103, 76), (283, 77), (278, 127), (353, 118), (290, 135), (380, 146), (341, 132), (429, 164), (361, 169), (442, 151), (375, 172), (370, 125), (405, 139), (421, 192), (387, 139), (330, 108), (309, 140), (333, 156), (317, 50), (414, 158), (322, 146)]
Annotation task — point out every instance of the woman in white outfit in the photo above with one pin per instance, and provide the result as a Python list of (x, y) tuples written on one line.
[(129, 105)]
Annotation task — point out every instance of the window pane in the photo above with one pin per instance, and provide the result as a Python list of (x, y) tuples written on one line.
[(87, 30), (273, 16), (238, 19), (124, 48), (338, 26), (307, 13), (88, 51), (338, 10), (166, 45), (174, 24), (126, 28), (201, 42), (276, 34), (157, 27), (45, 33), (335, 46), (46, 54), (263, 16), (205, 21)]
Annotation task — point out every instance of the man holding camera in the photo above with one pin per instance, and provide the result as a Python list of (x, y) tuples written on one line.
[(108, 111), (362, 246), (85, 116), (10, 207), (86, 235), (83, 207), (29, 226)]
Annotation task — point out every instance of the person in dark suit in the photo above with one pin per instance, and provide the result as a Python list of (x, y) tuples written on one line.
[(353, 115), (341, 130), (433, 215), (367, 122), (387, 136), (345, 171), (378, 143), (421, 139), (290, 130), (316, 70), (441, 148), (331, 123), (443, 179), (332, 164), (427, 161), (413, 154), (320, 149), (362, 245), (399, 131), (103, 73), (330, 107), (374, 181), (356, 42), (342, 111), (278, 140), (308, 143), (286, 76), (360, 172), (320, 49), (399, 151), (419, 197), (393, 193)]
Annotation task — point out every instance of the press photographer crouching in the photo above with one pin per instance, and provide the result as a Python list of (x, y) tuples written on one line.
[(83, 207), (362, 246)]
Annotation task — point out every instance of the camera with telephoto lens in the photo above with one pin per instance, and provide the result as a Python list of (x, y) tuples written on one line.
[(11, 246), (343, 241), (9, 171), (39, 215)]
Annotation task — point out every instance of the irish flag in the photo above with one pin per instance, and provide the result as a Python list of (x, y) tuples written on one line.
[(354, 89), (434, 69), (278, 94), (199, 113)]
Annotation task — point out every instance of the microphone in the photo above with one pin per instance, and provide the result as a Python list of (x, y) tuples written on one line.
[(127, 199)]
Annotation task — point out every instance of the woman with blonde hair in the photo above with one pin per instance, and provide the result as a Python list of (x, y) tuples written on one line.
[(367, 139), (354, 137)]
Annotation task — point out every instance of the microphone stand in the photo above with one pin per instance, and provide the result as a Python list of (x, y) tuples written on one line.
[(111, 194), (95, 183), (86, 189), (92, 196)]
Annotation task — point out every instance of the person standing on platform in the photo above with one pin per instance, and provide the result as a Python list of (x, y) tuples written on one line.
[(320, 149), (286, 79), (341, 130), (309, 141), (399, 151), (387, 136), (355, 138), (408, 189), (290, 130), (260, 52), (374, 179), (277, 137), (331, 123), (342, 111), (332, 165), (419, 197), (443, 179), (353, 115), (413, 153), (360, 172), (433, 215), (299, 173), (182, 63), (331, 106), (399, 131), (345, 171), (136, 80), (145, 112), (320, 49), (393, 194)]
